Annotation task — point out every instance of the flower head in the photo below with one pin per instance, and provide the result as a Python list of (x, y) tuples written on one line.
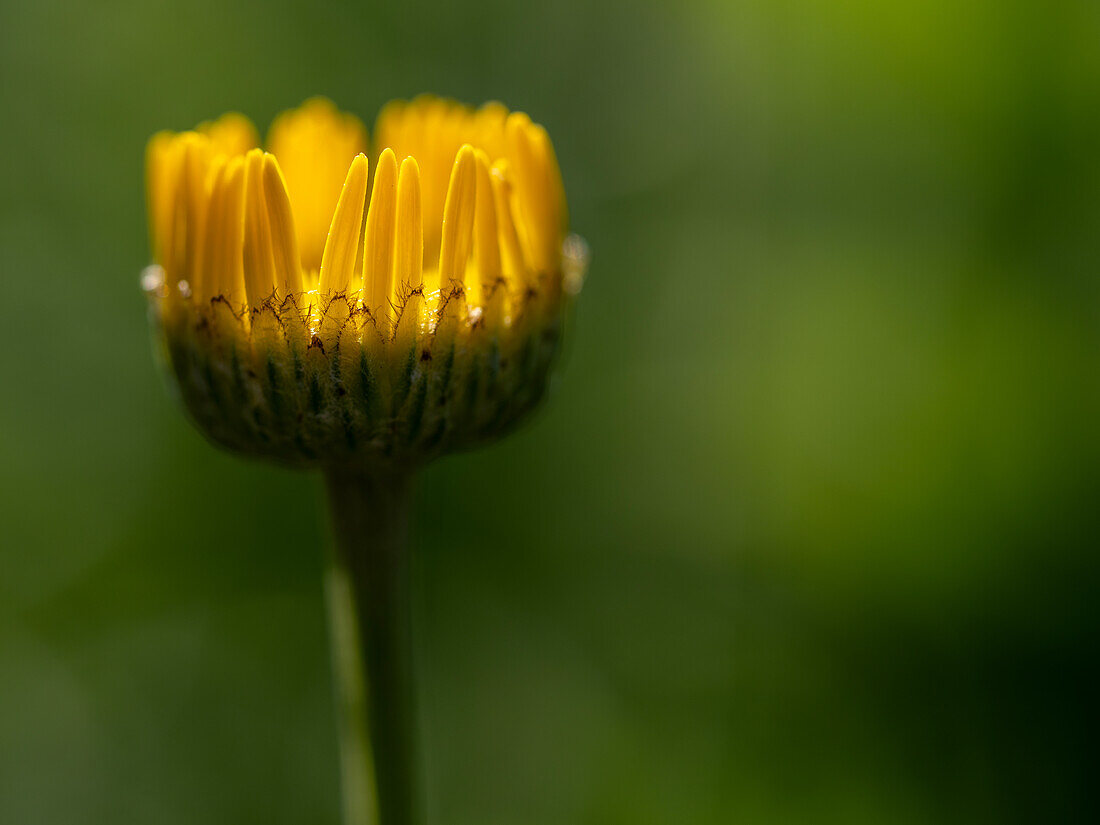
[(321, 309)]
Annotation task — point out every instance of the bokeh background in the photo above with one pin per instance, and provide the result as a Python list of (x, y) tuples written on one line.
[(808, 531)]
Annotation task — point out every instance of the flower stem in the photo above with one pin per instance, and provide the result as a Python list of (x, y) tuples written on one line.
[(368, 594)]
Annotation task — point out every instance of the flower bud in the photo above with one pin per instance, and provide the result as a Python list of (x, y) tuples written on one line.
[(427, 320)]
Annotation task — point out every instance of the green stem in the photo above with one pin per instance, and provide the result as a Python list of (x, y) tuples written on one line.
[(369, 611)]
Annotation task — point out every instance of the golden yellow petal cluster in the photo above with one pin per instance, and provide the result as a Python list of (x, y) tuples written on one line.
[(321, 308)]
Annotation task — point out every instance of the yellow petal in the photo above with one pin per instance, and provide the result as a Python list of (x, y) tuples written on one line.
[(226, 270), (556, 208), (188, 210), (338, 260), (231, 134), (433, 130), (458, 218), (379, 240), (486, 245), (535, 192), (488, 129), (314, 144), (284, 239), (259, 258), (514, 264), (390, 125), (202, 285), (409, 244), (162, 156)]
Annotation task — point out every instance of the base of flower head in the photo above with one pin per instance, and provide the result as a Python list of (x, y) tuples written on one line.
[(313, 380)]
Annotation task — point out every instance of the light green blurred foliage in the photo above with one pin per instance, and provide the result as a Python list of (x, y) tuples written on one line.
[(807, 532)]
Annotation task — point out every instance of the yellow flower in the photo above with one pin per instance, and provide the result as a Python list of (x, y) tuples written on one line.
[(321, 309)]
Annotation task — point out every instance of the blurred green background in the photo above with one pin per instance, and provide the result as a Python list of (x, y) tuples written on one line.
[(807, 533)]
